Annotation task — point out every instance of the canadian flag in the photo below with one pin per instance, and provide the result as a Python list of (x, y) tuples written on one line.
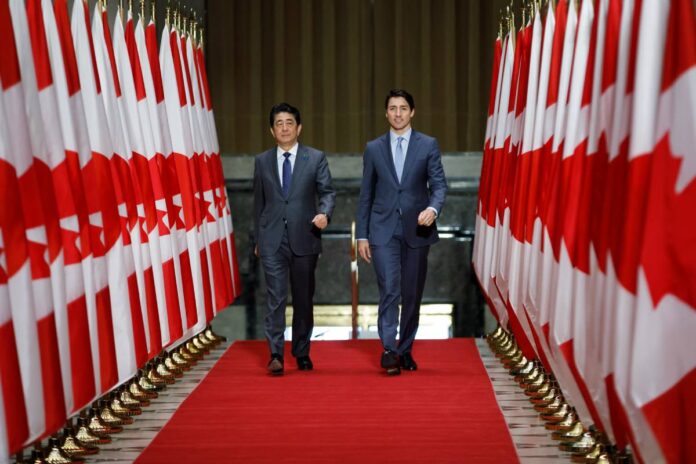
[(175, 100), (85, 364), (506, 158), (546, 263), (543, 140), (478, 255), (565, 196), (493, 182), (210, 242), (228, 245), (127, 190), (166, 189), (516, 264), (139, 134), (117, 346), (32, 286), (83, 320), (594, 203), (15, 284), (71, 313), (615, 304), (46, 146), (144, 166), (559, 85), (586, 302), (662, 158), (532, 224), (219, 260)]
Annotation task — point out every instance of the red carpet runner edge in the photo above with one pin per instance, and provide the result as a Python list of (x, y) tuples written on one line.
[(345, 411)]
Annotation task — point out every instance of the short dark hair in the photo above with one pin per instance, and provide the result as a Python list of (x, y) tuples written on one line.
[(400, 93), (284, 108)]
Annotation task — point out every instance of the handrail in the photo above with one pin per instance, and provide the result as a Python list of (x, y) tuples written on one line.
[(458, 233), (355, 289)]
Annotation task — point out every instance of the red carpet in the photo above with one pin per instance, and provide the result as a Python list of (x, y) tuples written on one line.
[(345, 411)]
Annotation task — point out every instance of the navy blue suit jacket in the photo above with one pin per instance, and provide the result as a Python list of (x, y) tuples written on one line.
[(383, 198)]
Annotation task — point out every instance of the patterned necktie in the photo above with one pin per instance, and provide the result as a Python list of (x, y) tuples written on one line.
[(399, 158), (287, 174)]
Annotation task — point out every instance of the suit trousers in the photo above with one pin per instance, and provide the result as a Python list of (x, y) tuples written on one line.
[(401, 272), (278, 267)]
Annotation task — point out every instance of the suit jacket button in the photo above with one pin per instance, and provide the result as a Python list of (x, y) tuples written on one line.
[(286, 202)]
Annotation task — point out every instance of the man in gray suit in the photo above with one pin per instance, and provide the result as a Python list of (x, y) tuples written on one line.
[(402, 193), (293, 202)]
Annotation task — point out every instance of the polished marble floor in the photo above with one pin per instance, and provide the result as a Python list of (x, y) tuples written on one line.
[(533, 442)]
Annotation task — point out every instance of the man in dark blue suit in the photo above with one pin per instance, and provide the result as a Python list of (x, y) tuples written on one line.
[(402, 193), (293, 202)]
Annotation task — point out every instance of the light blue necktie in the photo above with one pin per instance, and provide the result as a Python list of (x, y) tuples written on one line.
[(399, 158)]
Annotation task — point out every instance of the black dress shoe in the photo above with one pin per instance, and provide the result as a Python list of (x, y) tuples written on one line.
[(275, 365), (304, 363), (407, 362), (390, 362)]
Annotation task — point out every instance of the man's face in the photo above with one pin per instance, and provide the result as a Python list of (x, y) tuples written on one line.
[(285, 129), (399, 114)]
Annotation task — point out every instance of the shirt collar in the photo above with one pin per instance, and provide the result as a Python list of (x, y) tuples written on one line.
[(293, 151), (406, 135)]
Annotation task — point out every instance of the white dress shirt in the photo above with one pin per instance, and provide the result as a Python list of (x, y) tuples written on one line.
[(394, 137), (280, 156)]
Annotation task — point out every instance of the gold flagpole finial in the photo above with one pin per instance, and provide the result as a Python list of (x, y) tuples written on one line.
[(179, 13), (185, 20), (194, 28), (524, 14), (503, 23), (507, 19)]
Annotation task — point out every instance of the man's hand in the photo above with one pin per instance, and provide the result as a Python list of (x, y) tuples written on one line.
[(320, 221), (364, 250), (256, 251), (426, 217)]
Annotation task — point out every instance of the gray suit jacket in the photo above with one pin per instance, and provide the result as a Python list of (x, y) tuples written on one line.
[(311, 193)]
